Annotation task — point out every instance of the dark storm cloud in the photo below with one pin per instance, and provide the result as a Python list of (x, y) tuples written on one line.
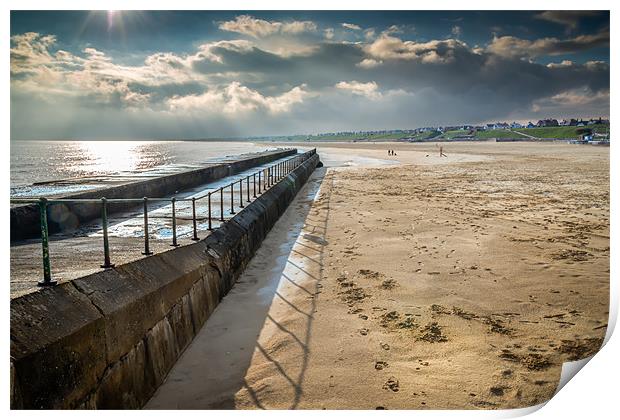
[(569, 18)]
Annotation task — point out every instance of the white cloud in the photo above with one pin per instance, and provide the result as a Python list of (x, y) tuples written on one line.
[(238, 99), (457, 31), (297, 27), (368, 89), (30, 50), (351, 26), (511, 46), (387, 47), (573, 102), (369, 63), (596, 65), (394, 29), (329, 33), (370, 34), (210, 51), (257, 28), (562, 64)]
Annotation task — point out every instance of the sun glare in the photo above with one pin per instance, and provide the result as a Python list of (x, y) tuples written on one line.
[(112, 16), (112, 156)]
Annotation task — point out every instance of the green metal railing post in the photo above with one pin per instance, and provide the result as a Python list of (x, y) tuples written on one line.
[(195, 238), (241, 193), (247, 189), (174, 223), (209, 204), (47, 270), (254, 181), (259, 183), (222, 204), (106, 242), (147, 250), (232, 198)]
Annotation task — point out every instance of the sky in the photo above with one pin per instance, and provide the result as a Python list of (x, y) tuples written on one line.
[(202, 74)]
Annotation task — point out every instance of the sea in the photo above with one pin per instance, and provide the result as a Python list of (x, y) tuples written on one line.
[(55, 167)]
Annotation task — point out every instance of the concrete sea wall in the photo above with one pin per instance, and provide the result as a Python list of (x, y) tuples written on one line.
[(67, 216), (108, 340)]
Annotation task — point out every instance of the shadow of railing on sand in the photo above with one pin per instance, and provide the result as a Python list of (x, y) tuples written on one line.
[(283, 278), (307, 260)]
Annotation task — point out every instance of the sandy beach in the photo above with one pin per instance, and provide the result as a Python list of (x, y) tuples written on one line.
[(415, 281)]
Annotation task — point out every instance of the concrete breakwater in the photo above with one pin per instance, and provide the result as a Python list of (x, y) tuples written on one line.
[(108, 340), (25, 222)]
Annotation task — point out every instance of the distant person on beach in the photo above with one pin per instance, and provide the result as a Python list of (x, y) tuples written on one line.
[(441, 154)]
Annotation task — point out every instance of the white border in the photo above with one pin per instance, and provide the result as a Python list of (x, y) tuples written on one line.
[(593, 394)]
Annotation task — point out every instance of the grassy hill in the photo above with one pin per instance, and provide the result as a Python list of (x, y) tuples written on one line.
[(499, 134), (543, 133), (455, 133), (562, 132), (426, 135)]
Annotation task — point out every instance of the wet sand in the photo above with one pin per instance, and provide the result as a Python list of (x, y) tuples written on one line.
[(458, 282)]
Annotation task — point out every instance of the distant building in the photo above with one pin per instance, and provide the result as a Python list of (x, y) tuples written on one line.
[(597, 121), (548, 122), (530, 125)]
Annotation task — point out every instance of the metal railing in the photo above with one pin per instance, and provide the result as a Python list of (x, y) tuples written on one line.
[(260, 182)]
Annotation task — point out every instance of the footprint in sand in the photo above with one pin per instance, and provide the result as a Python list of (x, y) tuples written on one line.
[(392, 384), (380, 365), (497, 391)]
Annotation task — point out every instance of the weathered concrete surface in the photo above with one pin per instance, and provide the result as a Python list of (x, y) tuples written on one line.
[(108, 340), (67, 216)]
